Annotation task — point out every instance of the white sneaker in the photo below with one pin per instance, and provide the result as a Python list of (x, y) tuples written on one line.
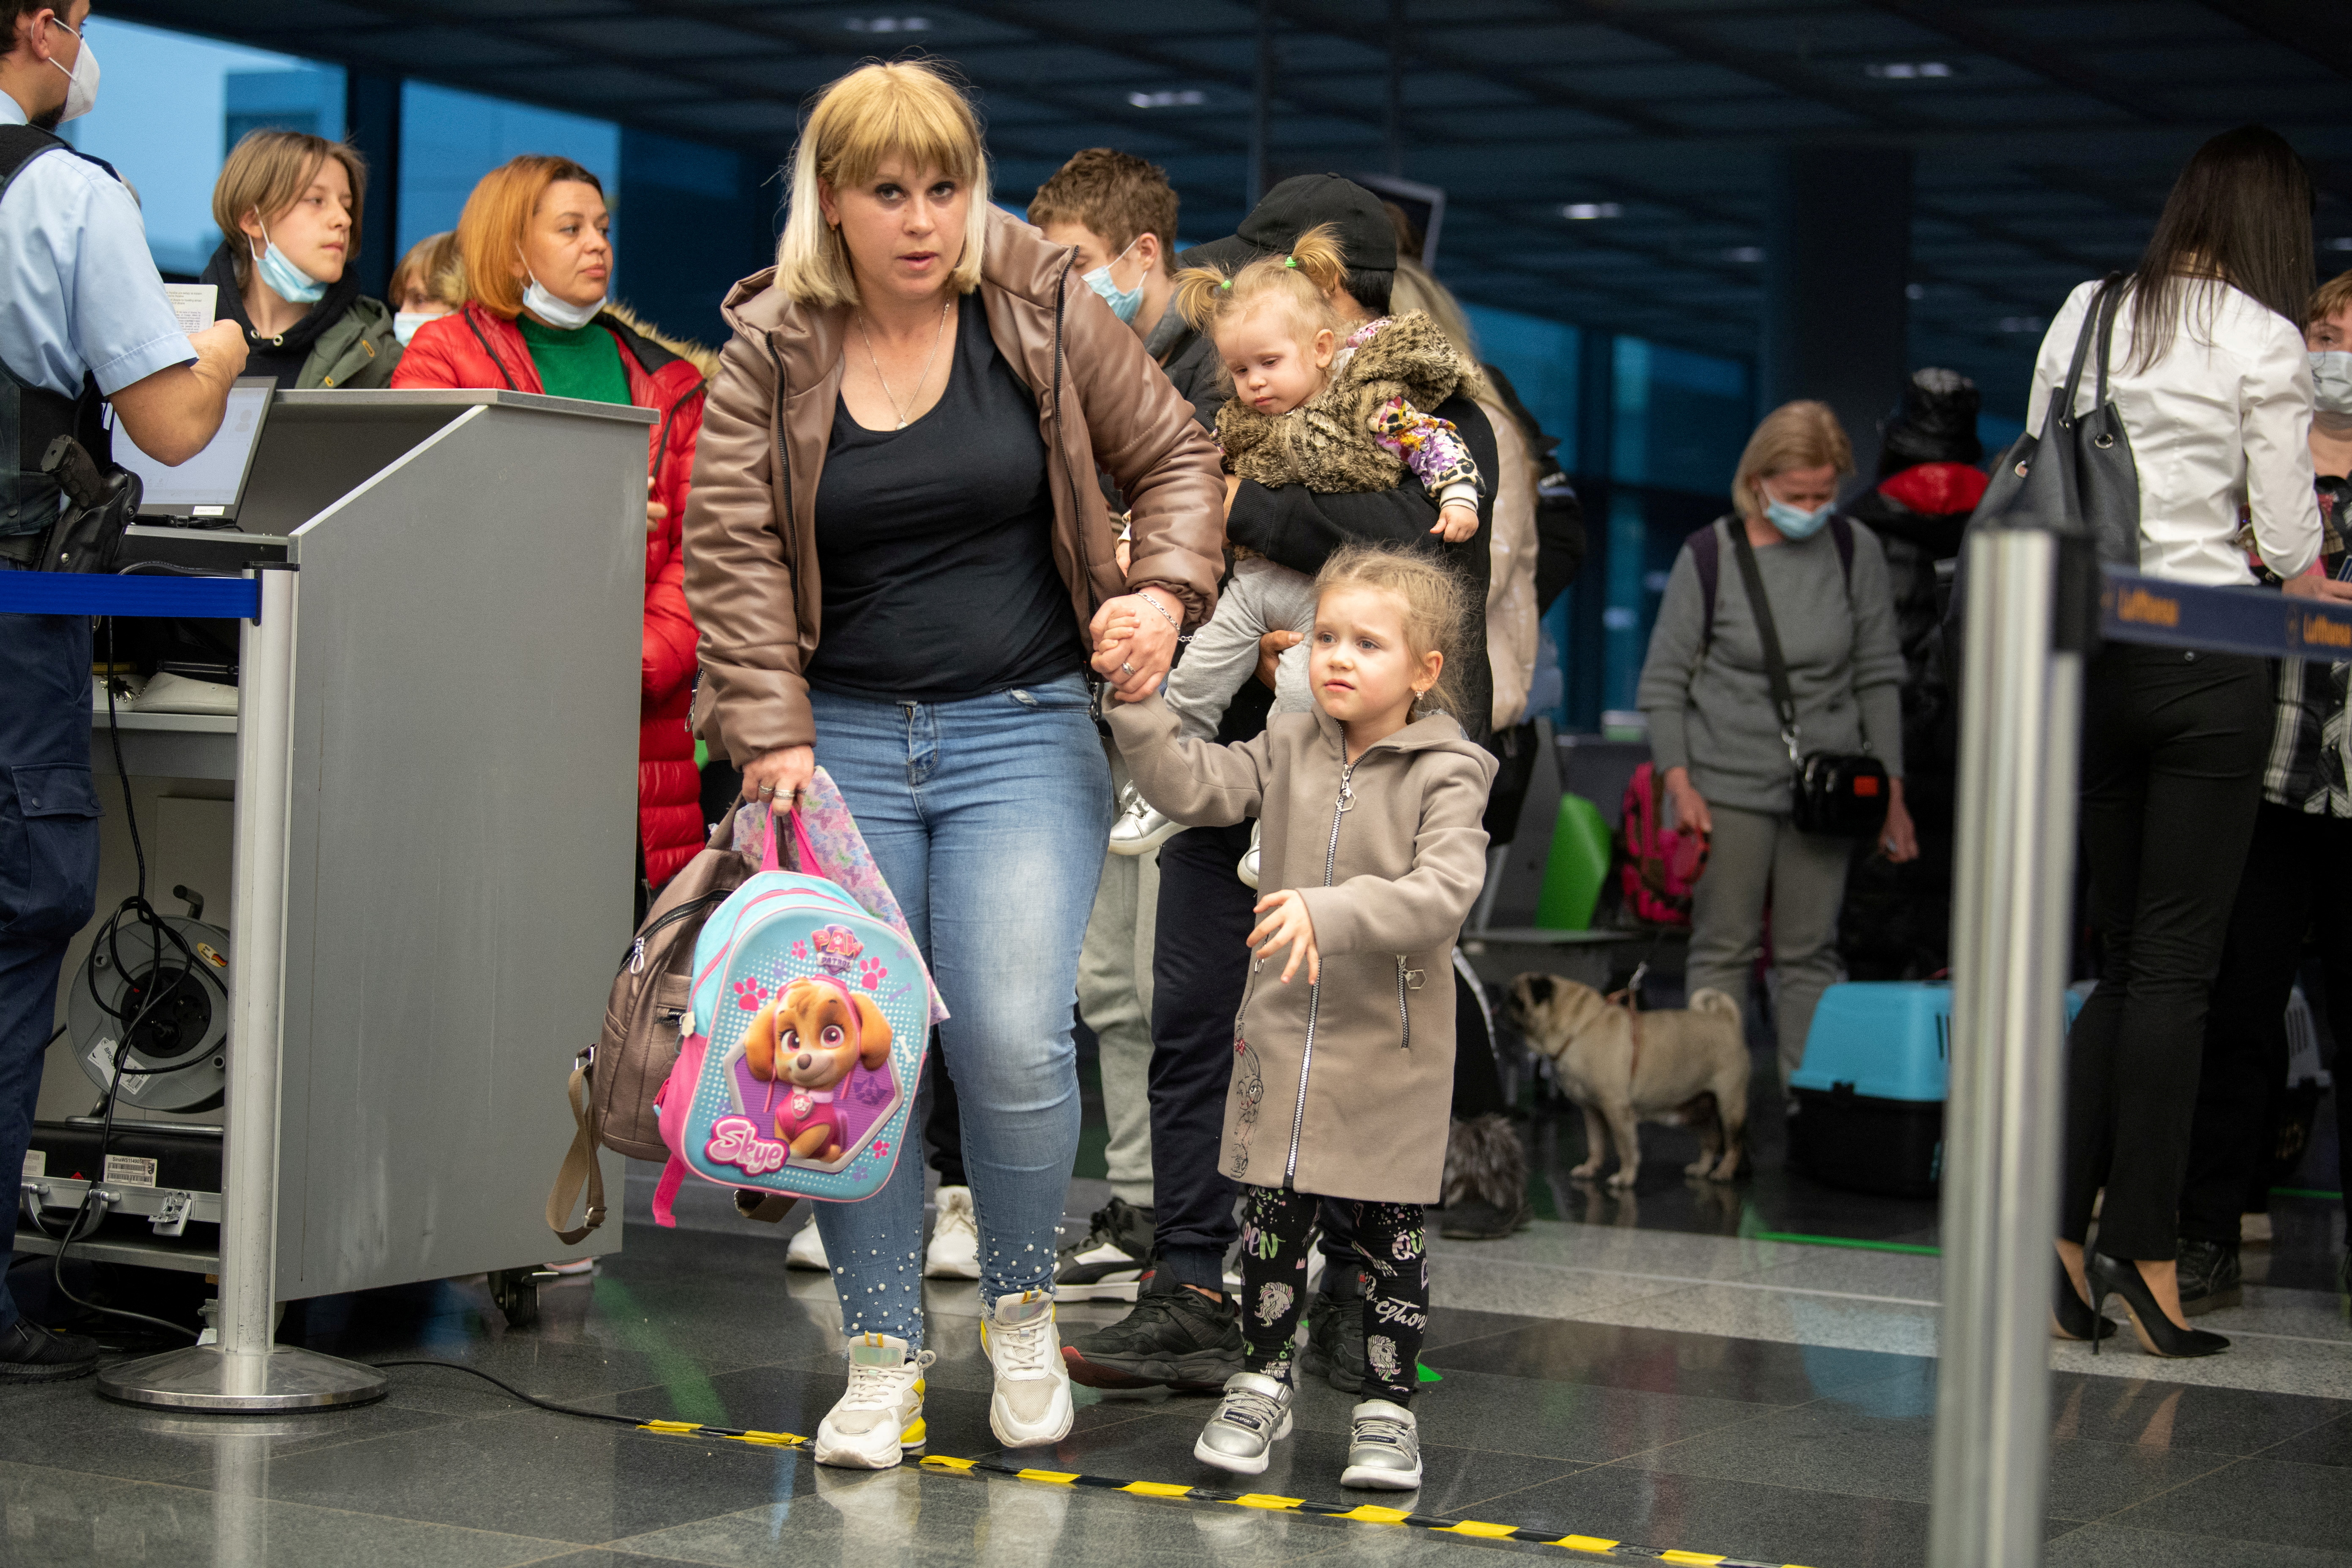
[(954, 1251), (1140, 829), (1031, 1404), (807, 1249), (1247, 870), (879, 1420)]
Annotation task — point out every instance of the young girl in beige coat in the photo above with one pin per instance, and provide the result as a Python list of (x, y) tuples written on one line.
[(1343, 1057)]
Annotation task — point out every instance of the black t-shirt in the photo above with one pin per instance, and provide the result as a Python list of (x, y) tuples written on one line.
[(935, 543)]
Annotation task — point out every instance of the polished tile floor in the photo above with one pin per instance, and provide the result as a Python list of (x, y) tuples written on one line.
[(1661, 1368)]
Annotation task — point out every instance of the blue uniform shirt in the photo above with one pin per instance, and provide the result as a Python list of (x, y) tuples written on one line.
[(79, 290)]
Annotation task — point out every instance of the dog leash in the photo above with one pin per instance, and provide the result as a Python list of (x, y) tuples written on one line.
[(1631, 999)]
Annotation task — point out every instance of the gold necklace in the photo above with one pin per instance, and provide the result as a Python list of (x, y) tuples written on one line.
[(937, 338)]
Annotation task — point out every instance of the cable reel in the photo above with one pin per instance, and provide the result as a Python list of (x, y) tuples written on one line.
[(178, 1050)]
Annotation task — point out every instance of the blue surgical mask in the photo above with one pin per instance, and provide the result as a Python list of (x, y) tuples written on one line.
[(557, 313), (405, 324), (286, 280), (2331, 381), (1123, 302), (1793, 523)]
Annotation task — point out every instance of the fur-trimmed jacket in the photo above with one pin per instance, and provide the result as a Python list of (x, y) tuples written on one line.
[(1369, 426)]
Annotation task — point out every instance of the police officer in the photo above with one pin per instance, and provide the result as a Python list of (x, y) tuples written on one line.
[(82, 316)]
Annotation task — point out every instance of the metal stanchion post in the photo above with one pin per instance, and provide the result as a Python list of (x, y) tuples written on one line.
[(246, 1372), (2020, 713)]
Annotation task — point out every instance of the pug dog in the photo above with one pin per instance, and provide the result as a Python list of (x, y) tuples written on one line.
[(1693, 1071)]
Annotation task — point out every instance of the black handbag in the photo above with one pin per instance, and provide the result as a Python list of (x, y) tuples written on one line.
[(2077, 477), (1840, 795)]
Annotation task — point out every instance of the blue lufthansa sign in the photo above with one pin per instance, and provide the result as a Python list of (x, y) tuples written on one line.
[(2134, 607)]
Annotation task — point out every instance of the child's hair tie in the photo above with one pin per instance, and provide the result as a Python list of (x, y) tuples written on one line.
[(1290, 261), (1226, 284)]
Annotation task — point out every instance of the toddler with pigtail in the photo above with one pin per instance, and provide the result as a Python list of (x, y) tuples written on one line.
[(1317, 406), (1374, 852)]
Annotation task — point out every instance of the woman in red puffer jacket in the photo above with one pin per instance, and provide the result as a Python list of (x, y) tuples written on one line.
[(538, 270)]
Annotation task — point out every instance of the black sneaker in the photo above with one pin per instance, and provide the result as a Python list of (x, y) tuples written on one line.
[(1175, 1337), (2209, 1278), (31, 1354), (1112, 1259), (1334, 1329)]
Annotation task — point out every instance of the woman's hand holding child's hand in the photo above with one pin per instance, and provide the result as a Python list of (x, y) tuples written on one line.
[(1286, 924), (1270, 650), (1456, 522)]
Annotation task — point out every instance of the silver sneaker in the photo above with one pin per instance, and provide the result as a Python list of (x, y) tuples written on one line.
[(1140, 829), (1383, 1447), (1247, 870), (1254, 1416)]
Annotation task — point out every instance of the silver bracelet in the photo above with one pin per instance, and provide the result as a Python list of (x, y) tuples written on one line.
[(1173, 624)]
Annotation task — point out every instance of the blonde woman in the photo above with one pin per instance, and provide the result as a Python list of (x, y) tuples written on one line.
[(902, 565), (1715, 733), (288, 204)]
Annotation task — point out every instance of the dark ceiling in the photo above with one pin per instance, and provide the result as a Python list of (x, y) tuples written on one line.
[(2044, 135)]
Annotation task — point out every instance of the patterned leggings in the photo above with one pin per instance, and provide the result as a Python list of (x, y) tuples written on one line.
[(1277, 1230)]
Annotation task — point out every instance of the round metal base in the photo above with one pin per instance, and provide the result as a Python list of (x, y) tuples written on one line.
[(206, 1377)]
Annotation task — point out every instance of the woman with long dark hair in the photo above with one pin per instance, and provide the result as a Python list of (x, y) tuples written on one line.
[(2216, 398)]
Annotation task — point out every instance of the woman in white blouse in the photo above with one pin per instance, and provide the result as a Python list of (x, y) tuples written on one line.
[(2216, 397)]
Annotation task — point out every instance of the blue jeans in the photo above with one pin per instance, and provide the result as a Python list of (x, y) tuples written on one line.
[(988, 818)]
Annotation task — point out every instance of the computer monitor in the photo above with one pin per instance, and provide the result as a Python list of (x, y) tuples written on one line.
[(207, 489)]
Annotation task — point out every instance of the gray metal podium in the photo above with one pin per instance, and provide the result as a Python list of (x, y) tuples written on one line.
[(436, 810)]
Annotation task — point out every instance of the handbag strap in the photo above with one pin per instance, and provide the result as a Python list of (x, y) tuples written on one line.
[(580, 1168), (2098, 325), (1776, 667)]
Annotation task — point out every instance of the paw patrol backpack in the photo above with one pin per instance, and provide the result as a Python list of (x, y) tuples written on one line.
[(802, 1042)]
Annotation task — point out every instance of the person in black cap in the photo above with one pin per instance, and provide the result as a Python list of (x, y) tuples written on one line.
[(1184, 1332), (1896, 923)]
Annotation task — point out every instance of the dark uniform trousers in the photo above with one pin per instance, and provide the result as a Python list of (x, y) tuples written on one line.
[(48, 856)]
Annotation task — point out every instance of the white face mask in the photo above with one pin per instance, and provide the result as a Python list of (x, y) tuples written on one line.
[(405, 324), (555, 313), (81, 89), (2331, 381)]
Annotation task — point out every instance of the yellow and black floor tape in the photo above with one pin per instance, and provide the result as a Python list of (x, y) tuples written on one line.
[(1356, 1513)]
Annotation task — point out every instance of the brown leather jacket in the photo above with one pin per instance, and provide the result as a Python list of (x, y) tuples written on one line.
[(750, 534)]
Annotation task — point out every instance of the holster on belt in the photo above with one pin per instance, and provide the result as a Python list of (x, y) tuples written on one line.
[(101, 504)]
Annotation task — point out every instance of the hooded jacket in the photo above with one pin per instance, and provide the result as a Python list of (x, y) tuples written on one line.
[(346, 339), (1340, 1087), (474, 348), (1326, 442), (753, 568)]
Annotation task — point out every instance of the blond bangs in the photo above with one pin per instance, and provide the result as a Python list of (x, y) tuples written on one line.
[(875, 113)]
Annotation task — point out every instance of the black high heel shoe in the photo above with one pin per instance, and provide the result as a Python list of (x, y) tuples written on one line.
[(2071, 1317), (2158, 1335)]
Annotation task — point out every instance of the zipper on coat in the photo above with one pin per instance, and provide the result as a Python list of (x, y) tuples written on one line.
[(791, 529), (1339, 809), (1404, 1014)]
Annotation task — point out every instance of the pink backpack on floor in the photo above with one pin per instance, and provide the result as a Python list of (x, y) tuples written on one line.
[(807, 1020), (1661, 864)]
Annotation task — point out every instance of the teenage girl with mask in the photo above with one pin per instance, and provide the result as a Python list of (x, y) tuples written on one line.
[(1715, 734), (538, 268), (289, 206)]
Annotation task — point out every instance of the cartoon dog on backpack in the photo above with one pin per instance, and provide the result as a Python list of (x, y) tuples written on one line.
[(805, 1044)]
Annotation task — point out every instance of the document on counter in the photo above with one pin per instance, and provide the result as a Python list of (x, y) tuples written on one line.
[(193, 303)]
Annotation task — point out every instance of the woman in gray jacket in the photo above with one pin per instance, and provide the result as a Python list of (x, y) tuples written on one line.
[(1715, 733)]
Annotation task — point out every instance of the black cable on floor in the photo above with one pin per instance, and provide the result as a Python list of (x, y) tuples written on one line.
[(532, 1398)]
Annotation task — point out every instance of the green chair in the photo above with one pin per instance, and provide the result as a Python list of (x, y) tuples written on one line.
[(1577, 868)]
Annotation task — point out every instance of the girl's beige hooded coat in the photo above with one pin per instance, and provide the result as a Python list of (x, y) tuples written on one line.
[(1340, 1088)]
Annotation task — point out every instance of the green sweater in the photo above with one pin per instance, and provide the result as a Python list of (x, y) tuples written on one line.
[(582, 362)]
